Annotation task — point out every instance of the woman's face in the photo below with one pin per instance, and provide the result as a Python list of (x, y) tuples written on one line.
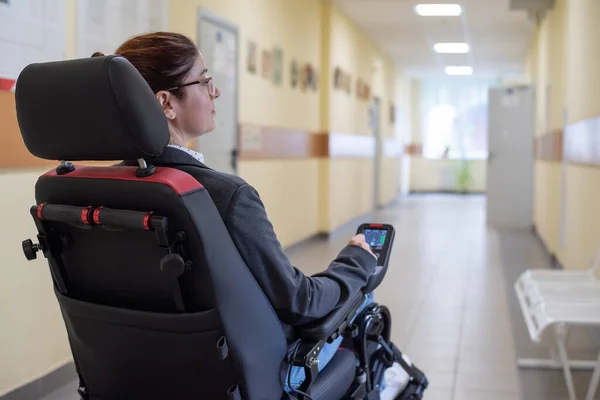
[(193, 114)]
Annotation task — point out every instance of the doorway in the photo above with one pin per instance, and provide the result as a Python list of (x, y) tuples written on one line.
[(510, 159), (218, 40)]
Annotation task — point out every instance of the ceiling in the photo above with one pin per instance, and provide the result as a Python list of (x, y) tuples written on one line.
[(498, 36)]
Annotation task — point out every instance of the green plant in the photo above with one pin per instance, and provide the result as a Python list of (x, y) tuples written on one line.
[(464, 175)]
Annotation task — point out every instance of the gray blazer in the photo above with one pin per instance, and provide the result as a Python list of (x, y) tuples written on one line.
[(296, 298)]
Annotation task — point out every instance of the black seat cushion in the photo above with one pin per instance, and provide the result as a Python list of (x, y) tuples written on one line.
[(335, 379)]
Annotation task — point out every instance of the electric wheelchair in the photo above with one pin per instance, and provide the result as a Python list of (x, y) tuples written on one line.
[(157, 302)]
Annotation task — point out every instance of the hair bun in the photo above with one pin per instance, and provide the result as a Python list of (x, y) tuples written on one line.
[(98, 54)]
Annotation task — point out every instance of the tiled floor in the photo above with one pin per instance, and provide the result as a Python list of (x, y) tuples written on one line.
[(449, 288)]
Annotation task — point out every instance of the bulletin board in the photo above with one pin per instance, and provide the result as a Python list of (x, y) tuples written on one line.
[(30, 31), (103, 25)]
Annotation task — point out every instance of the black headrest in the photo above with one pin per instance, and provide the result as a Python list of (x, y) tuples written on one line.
[(97, 108)]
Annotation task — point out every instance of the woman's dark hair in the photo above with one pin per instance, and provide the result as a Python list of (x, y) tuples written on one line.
[(162, 58)]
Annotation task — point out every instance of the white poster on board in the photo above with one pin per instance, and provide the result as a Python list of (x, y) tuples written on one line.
[(30, 31), (103, 25)]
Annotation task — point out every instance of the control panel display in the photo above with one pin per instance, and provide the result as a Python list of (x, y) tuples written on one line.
[(375, 238), (380, 238)]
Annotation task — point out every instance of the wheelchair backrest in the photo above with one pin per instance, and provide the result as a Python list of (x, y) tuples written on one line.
[(156, 299)]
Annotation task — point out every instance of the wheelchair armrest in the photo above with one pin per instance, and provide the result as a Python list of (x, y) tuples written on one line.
[(333, 324)]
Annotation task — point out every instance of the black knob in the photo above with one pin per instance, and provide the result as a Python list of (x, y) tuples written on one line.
[(172, 265), (30, 249)]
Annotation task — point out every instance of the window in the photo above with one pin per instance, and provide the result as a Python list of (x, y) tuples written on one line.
[(454, 115)]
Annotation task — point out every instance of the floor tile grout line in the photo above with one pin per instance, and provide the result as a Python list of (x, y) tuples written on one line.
[(460, 340)]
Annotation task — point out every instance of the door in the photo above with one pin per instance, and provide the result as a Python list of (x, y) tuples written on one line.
[(375, 117), (218, 42), (510, 162)]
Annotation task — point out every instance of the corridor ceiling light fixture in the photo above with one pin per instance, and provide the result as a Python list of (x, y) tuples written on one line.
[(451, 48), (460, 70), (438, 10)]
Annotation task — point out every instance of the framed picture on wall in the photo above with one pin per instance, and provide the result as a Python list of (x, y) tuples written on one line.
[(302, 78), (363, 90), (267, 66), (252, 57), (310, 76), (294, 73), (277, 65), (392, 113), (338, 78)]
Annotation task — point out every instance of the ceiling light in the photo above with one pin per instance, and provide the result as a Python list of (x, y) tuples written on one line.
[(438, 10), (451, 48), (461, 70)]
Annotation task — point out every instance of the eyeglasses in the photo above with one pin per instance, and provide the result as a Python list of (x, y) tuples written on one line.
[(207, 82)]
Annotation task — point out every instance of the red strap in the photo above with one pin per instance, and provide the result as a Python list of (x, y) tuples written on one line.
[(39, 211), (146, 221), (85, 215), (96, 215)]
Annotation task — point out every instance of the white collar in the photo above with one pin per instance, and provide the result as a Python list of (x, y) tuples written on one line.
[(195, 154)]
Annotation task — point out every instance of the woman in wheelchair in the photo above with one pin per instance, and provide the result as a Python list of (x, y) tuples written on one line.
[(176, 72)]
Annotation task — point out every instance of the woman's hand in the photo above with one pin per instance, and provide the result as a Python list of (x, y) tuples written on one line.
[(360, 241)]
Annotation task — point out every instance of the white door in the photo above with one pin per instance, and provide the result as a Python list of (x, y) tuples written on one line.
[(218, 42), (510, 162)]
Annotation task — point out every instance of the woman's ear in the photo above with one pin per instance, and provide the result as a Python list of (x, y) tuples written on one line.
[(164, 98)]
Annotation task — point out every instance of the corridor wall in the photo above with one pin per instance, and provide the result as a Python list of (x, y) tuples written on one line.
[(548, 52), (350, 169), (566, 189)]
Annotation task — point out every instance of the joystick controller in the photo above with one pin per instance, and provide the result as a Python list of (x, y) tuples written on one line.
[(380, 238)]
